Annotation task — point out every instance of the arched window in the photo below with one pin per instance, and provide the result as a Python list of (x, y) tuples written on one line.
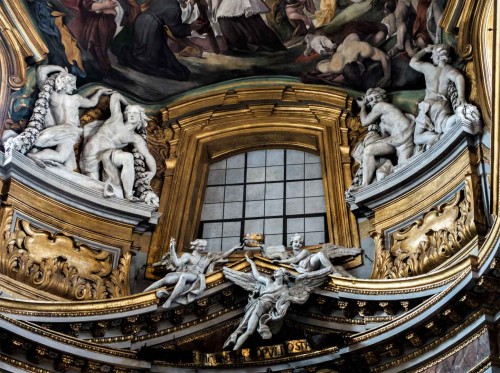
[(276, 192)]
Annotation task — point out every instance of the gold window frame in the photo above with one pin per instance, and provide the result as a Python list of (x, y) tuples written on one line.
[(306, 118)]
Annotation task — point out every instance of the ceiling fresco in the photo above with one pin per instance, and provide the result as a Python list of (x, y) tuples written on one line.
[(152, 50)]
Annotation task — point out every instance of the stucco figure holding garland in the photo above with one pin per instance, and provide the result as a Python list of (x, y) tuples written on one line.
[(124, 172), (270, 299), (54, 127), (444, 104)]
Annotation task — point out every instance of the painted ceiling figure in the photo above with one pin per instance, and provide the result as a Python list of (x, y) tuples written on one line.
[(100, 21), (243, 27), (148, 51), (347, 62), (53, 18)]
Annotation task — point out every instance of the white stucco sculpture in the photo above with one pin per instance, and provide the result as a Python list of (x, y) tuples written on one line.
[(444, 104), (188, 273), (54, 126), (106, 155), (304, 260), (390, 133), (270, 299)]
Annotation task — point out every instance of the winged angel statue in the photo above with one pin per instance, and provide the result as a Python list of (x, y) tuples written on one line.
[(269, 299)]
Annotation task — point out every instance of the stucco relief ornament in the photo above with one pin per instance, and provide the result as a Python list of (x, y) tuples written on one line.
[(444, 106), (270, 298), (187, 272)]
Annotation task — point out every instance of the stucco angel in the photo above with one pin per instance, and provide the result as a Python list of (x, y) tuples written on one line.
[(270, 298), (187, 272), (304, 260)]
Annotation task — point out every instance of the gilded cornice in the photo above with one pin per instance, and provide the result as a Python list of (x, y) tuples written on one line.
[(51, 335), (436, 343), (83, 309)]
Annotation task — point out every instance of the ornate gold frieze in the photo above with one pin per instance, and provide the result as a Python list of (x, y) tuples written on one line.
[(261, 353), (429, 241), (55, 263)]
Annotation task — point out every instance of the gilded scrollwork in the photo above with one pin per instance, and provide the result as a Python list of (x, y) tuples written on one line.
[(427, 242), (77, 271)]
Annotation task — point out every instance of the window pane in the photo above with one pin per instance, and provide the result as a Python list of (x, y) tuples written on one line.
[(231, 228), (254, 226), (274, 207), (276, 192), (313, 188), (254, 209), (274, 173), (234, 193), (256, 159), (255, 192), (256, 174), (275, 157), (295, 172), (211, 230), (214, 194), (294, 157), (238, 161), (216, 177), (235, 176)]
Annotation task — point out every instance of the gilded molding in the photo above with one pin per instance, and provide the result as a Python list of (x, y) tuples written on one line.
[(433, 345), (449, 353), (186, 325), (405, 318), (22, 365), (55, 263), (85, 345), (429, 241)]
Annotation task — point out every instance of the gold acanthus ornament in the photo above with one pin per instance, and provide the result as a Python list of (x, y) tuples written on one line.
[(57, 264), (427, 242)]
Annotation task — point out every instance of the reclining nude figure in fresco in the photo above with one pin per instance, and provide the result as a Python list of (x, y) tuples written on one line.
[(391, 132), (304, 260), (54, 127), (103, 144), (270, 299), (188, 273), (444, 104), (347, 61)]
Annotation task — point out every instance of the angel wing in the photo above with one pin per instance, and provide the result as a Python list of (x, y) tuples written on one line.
[(306, 283), (334, 251), (245, 280)]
